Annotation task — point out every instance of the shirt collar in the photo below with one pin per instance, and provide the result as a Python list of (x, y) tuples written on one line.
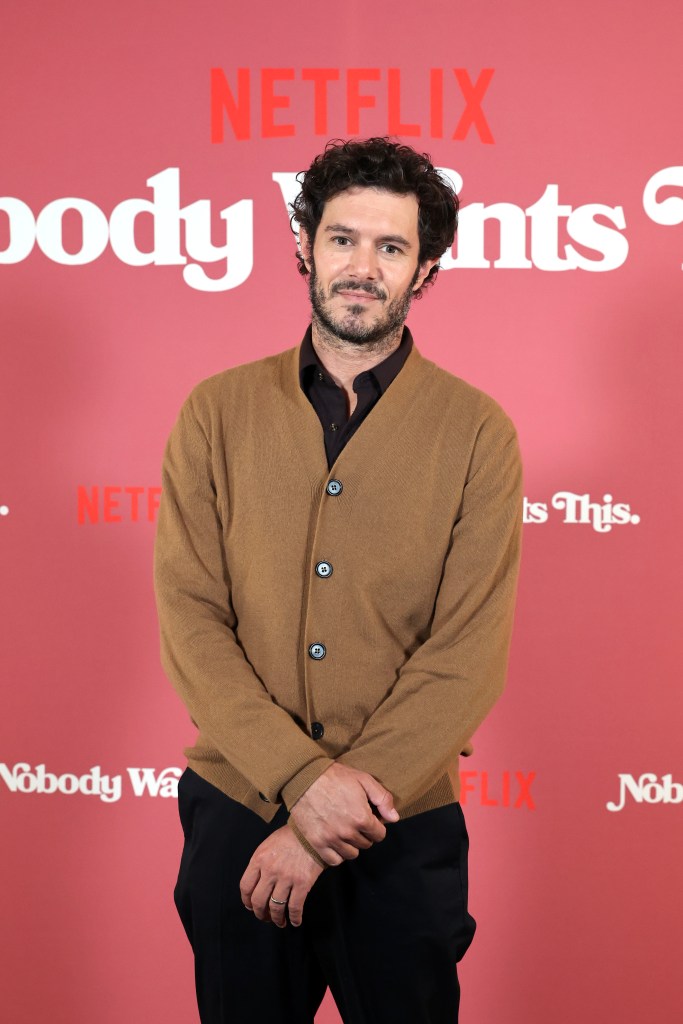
[(383, 372)]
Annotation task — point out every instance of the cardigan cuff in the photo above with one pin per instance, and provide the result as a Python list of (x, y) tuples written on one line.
[(305, 843), (299, 783)]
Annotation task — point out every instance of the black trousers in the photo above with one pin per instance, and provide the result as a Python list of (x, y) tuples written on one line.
[(384, 931)]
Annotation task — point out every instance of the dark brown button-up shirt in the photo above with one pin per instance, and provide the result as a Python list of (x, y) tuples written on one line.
[(329, 399)]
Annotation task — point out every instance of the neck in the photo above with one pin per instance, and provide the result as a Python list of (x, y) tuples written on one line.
[(344, 360)]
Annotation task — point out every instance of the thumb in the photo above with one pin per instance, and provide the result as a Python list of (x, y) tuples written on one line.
[(380, 797)]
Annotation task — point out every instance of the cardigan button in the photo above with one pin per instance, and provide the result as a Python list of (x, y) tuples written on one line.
[(317, 730), (317, 651), (323, 569), (264, 797), (334, 487)]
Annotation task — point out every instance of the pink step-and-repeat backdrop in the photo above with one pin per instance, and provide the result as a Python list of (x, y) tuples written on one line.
[(148, 151)]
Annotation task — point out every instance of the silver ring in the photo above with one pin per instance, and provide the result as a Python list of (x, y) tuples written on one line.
[(281, 902)]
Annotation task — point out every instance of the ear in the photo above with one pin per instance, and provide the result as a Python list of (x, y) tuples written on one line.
[(305, 247), (424, 270)]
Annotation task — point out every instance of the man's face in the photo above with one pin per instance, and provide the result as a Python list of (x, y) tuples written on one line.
[(364, 263)]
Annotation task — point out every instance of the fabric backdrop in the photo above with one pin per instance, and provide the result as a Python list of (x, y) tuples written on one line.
[(148, 150)]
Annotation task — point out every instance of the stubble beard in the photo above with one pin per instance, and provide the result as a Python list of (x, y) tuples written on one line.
[(351, 326)]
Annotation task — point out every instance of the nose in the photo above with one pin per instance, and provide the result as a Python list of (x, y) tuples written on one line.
[(363, 262)]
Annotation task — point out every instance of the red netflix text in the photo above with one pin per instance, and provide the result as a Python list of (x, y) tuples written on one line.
[(113, 504), (507, 789), (271, 116)]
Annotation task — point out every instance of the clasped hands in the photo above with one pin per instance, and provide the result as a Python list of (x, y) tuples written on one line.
[(336, 817)]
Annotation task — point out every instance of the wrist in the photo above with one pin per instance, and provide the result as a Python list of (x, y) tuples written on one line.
[(305, 843)]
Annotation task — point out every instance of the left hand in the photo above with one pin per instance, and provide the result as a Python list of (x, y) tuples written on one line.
[(336, 814), (282, 868)]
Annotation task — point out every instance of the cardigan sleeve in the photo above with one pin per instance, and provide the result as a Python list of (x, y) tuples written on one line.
[(449, 684), (200, 653)]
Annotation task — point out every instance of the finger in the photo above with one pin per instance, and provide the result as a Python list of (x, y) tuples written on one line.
[(373, 830), (260, 897), (346, 849), (329, 855), (385, 806), (364, 833), (295, 907), (379, 796), (278, 911), (349, 845), (248, 882), (363, 829), (364, 841)]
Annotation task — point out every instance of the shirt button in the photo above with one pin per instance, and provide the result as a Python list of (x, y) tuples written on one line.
[(321, 376), (333, 426), (334, 487), (264, 798), (317, 730), (323, 569), (317, 651)]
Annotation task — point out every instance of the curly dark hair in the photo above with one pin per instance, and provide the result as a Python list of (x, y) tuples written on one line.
[(380, 163)]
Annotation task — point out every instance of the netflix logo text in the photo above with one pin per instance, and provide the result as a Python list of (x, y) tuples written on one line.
[(117, 504), (258, 103), (503, 789)]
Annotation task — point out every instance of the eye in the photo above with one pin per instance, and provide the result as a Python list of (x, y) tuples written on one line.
[(340, 239), (390, 249)]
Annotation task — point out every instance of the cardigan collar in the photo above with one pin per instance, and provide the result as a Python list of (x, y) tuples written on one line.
[(376, 432)]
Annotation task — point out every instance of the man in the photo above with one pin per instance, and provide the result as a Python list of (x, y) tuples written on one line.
[(335, 569)]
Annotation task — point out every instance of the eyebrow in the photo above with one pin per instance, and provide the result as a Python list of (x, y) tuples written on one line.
[(398, 239)]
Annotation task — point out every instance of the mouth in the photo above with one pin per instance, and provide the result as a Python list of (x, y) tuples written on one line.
[(357, 296)]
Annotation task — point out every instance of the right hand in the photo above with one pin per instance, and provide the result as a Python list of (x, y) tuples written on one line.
[(336, 816)]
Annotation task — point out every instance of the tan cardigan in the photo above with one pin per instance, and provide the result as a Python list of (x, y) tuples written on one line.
[(422, 532)]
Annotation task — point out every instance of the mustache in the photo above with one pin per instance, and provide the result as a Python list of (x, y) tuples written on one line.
[(356, 286)]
